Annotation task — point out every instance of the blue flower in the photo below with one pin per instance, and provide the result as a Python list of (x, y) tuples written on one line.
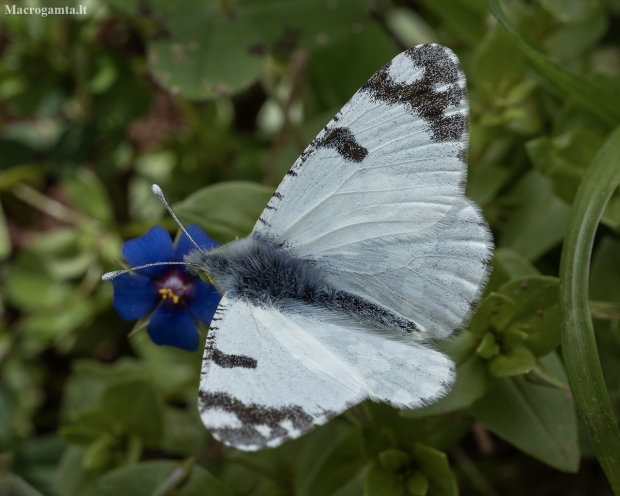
[(175, 297)]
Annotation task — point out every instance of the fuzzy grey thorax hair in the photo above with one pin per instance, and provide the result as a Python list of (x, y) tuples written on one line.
[(258, 270), (265, 274)]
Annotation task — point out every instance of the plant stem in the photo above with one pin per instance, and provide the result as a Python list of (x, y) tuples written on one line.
[(578, 340), (51, 207)]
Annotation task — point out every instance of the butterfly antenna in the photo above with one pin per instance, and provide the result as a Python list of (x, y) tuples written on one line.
[(159, 194), (108, 276)]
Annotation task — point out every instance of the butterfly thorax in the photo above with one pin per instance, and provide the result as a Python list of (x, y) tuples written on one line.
[(265, 274)]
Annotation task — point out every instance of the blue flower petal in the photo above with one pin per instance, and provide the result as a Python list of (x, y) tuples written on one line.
[(184, 245), (154, 246), (172, 325), (204, 302), (135, 296)]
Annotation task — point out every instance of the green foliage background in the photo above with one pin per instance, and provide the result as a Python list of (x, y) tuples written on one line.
[(214, 100)]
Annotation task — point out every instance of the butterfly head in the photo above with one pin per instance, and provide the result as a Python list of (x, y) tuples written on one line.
[(210, 266), (193, 264)]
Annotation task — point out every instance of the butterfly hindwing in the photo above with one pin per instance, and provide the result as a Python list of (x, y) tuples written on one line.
[(391, 162), (268, 377)]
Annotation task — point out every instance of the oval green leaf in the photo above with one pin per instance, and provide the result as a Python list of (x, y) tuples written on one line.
[(225, 210), (538, 420), (144, 479)]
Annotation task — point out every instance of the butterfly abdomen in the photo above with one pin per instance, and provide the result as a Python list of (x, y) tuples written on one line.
[(267, 275)]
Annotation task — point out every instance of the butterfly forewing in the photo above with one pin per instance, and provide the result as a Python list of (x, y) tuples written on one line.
[(391, 162)]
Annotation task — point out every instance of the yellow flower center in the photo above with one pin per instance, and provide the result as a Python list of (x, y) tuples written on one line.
[(168, 293)]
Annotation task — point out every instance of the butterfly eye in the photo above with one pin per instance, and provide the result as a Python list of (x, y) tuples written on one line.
[(205, 277)]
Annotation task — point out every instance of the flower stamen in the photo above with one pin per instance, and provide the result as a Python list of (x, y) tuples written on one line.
[(168, 293)]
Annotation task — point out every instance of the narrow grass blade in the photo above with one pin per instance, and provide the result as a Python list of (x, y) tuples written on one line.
[(579, 350)]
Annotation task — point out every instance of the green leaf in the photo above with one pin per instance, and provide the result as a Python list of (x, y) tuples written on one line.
[(59, 254), (36, 460), (354, 487), (208, 54), (72, 479), (508, 264), (89, 195), (472, 378), (595, 98), (493, 313), (225, 210), (417, 484), (516, 361), (498, 64), (98, 455), (513, 264), (539, 219), (572, 40), (408, 27), (381, 483), (185, 433), (564, 158), (578, 340), (50, 324), (216, 48), (32, 290), (392, 428), (178, 476), (434, 464), (571, 11), (89, 379), (13, 485), (62, 252), (605, 273), (488, 347), (393, 460), (172, 370), (370, 49), (134, 405), (304, 23), (461, 15), (484, 181), (537, 311), (611, 215), (540, 375), (536, 419), (335, 462), (128, 407), (144, 479)]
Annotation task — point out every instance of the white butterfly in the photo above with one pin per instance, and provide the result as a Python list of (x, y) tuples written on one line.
[(367, 253)]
